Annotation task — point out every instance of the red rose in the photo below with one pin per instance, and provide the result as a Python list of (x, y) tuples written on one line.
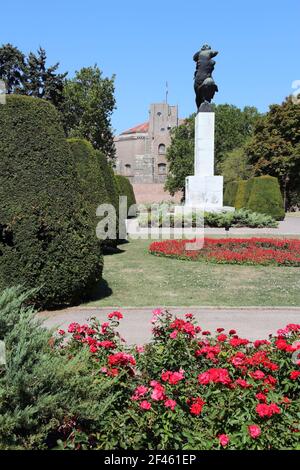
[(254, 431)]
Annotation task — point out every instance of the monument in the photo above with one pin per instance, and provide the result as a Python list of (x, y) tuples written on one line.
[(204, 190)]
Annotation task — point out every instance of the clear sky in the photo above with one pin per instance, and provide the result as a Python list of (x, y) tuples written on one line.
[(148, 43)]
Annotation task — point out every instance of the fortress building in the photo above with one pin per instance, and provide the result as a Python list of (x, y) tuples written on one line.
[(141, 151)]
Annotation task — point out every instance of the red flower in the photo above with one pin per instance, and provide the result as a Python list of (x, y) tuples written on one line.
[(243, 383), (215, 376), (222, 338), (121, 358), (170, 404), (254, 431), (224, 440), (196, 407), (117, 315), (257, 375), (172, 377), (145, 405), (267, 411), (294, 374)]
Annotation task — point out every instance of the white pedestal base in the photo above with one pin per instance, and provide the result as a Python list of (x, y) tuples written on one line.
[(206, 191)]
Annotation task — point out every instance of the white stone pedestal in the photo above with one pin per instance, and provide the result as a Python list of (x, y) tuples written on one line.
[(205, 190)]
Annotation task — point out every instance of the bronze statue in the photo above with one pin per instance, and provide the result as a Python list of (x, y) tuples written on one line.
[(204, 85)]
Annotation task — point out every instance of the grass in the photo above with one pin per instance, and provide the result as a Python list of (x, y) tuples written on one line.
[(134, 278)]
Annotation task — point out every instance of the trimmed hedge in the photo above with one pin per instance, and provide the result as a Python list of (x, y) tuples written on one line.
[(259, 194), (266, 197), (125, 189), (46, 239), (230, 193)]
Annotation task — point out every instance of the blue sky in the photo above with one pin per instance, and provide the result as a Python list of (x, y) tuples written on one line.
[(148, 43)]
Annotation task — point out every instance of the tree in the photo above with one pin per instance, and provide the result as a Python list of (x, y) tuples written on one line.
[(235, 166), (233, 128), (12, 68), (180, 156), (88, 106), (43, 82), (30, 75), (275, 147)]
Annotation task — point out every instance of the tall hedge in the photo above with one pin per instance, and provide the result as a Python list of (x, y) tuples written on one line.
[(125, 188), (230, 193), (46, 239), (266, 197), (260, 194)]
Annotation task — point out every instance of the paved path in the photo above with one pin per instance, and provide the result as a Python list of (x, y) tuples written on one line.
[(251, 322)]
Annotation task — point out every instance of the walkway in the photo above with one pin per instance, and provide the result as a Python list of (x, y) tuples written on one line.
[(253, 323)]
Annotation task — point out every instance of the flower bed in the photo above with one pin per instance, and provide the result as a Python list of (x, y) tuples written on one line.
[(234, 251), (188, 388)]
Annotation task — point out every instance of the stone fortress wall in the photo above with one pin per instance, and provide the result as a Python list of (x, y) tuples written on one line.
[(141, 150)]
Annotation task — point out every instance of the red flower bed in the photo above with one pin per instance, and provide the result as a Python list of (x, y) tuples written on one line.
[(234, 250)]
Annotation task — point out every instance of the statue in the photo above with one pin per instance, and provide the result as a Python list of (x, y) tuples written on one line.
[(204, 85)]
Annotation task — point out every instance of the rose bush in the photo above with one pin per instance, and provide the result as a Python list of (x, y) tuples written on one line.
[(191, 389), (253, 251)]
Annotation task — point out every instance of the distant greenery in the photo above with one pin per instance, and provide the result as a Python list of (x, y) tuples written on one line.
[(29, 75), (233, 128), (275, 148), (86, 102), (87, 108)]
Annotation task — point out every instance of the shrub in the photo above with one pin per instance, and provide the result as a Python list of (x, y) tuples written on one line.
[(266, 197), (125, 189), (260, 194), (45, 393), (241, 195), (230, 193), (45, 237), (238, 218)]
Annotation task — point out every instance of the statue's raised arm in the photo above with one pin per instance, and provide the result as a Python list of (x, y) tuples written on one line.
[(204, 85)]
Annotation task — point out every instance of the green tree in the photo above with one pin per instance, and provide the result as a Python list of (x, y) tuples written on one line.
[(88, 106), (12, 68), (235, 166), (180, 155), (275, 147), (43, 82), (233, 128), (30, 75)]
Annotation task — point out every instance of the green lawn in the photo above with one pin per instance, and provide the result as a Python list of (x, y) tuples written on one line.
[(132, 277)]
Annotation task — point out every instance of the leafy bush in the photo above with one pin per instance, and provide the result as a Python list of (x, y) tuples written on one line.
[(266, 197), (46, 239), (187, 389), (44, 392), (238, 218), (125, 189)]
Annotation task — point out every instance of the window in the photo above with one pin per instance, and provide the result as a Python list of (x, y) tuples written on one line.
[(127, 169), (161, 149), (162, 168)]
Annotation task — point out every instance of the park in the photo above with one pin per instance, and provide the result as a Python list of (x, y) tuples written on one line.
[(149, 278)]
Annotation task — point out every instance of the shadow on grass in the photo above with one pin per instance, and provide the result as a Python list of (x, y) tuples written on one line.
[(100, 291), (113, 249)]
